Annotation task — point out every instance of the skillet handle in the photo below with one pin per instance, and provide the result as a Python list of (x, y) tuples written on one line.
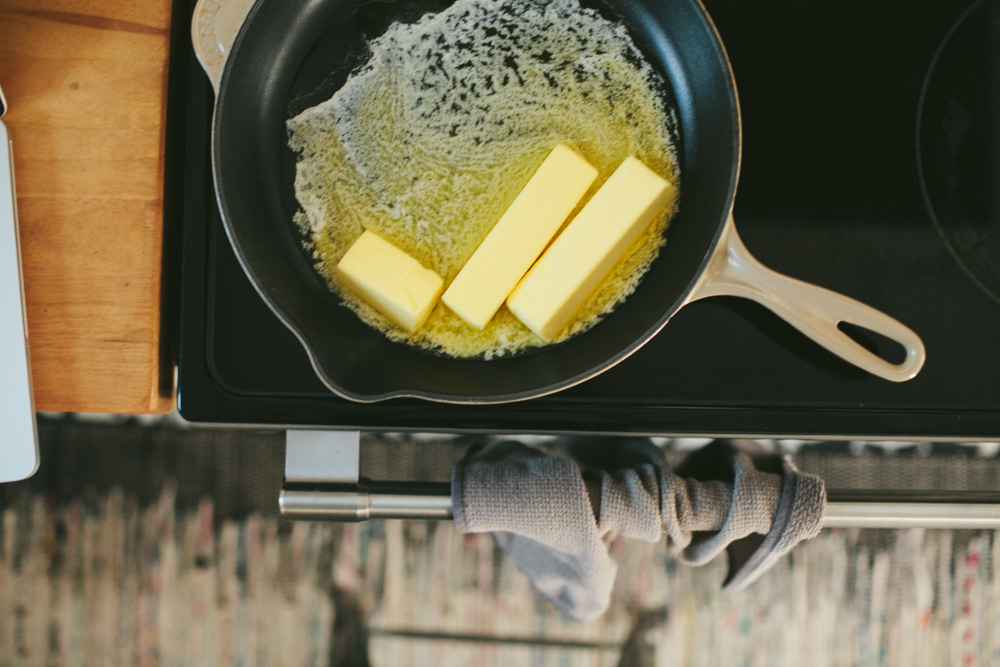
[(214, 26), (813, 310)]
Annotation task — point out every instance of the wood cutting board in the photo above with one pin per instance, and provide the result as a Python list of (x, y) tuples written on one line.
[(86, 82)]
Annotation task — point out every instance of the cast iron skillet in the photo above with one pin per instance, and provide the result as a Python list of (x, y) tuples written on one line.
[(283, 53)]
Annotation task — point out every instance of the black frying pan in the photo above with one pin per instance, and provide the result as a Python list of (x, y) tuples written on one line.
[(283, 54)]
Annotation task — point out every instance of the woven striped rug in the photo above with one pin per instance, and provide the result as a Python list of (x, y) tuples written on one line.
[(112, 583), (165, 564)]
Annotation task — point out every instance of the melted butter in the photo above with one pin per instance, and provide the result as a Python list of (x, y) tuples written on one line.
[(430, 141)]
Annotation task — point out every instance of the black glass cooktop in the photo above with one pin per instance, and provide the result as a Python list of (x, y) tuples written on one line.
[(870, 166)]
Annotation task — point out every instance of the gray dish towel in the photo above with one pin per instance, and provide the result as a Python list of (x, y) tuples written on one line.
[(555, 512)]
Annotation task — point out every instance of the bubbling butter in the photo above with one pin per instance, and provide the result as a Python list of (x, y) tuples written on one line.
[(431, 140)]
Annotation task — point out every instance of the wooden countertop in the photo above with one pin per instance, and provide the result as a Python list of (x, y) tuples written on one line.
[(86, 82)]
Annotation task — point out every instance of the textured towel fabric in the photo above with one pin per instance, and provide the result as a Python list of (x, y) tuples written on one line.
[(554, 512)]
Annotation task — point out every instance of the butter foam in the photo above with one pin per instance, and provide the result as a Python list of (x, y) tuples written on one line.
[(430, 141)]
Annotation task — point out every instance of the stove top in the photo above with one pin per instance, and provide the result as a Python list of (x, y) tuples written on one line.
[(871, 147)]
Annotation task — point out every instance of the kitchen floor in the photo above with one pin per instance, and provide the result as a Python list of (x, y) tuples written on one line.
[(148, 541)]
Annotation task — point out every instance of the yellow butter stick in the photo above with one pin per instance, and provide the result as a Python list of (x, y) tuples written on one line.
[(555, 288), (520, 236), (389, 279)]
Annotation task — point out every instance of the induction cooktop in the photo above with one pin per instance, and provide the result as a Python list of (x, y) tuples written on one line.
[(871, 160)]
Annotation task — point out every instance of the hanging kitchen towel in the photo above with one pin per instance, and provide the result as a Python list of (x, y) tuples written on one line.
[(554, 512), (774, 507)]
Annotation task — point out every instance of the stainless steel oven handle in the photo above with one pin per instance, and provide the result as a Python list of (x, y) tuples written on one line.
[(214, 26), (322, 483)]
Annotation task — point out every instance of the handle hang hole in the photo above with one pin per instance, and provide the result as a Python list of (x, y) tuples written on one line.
[(879, 345)]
